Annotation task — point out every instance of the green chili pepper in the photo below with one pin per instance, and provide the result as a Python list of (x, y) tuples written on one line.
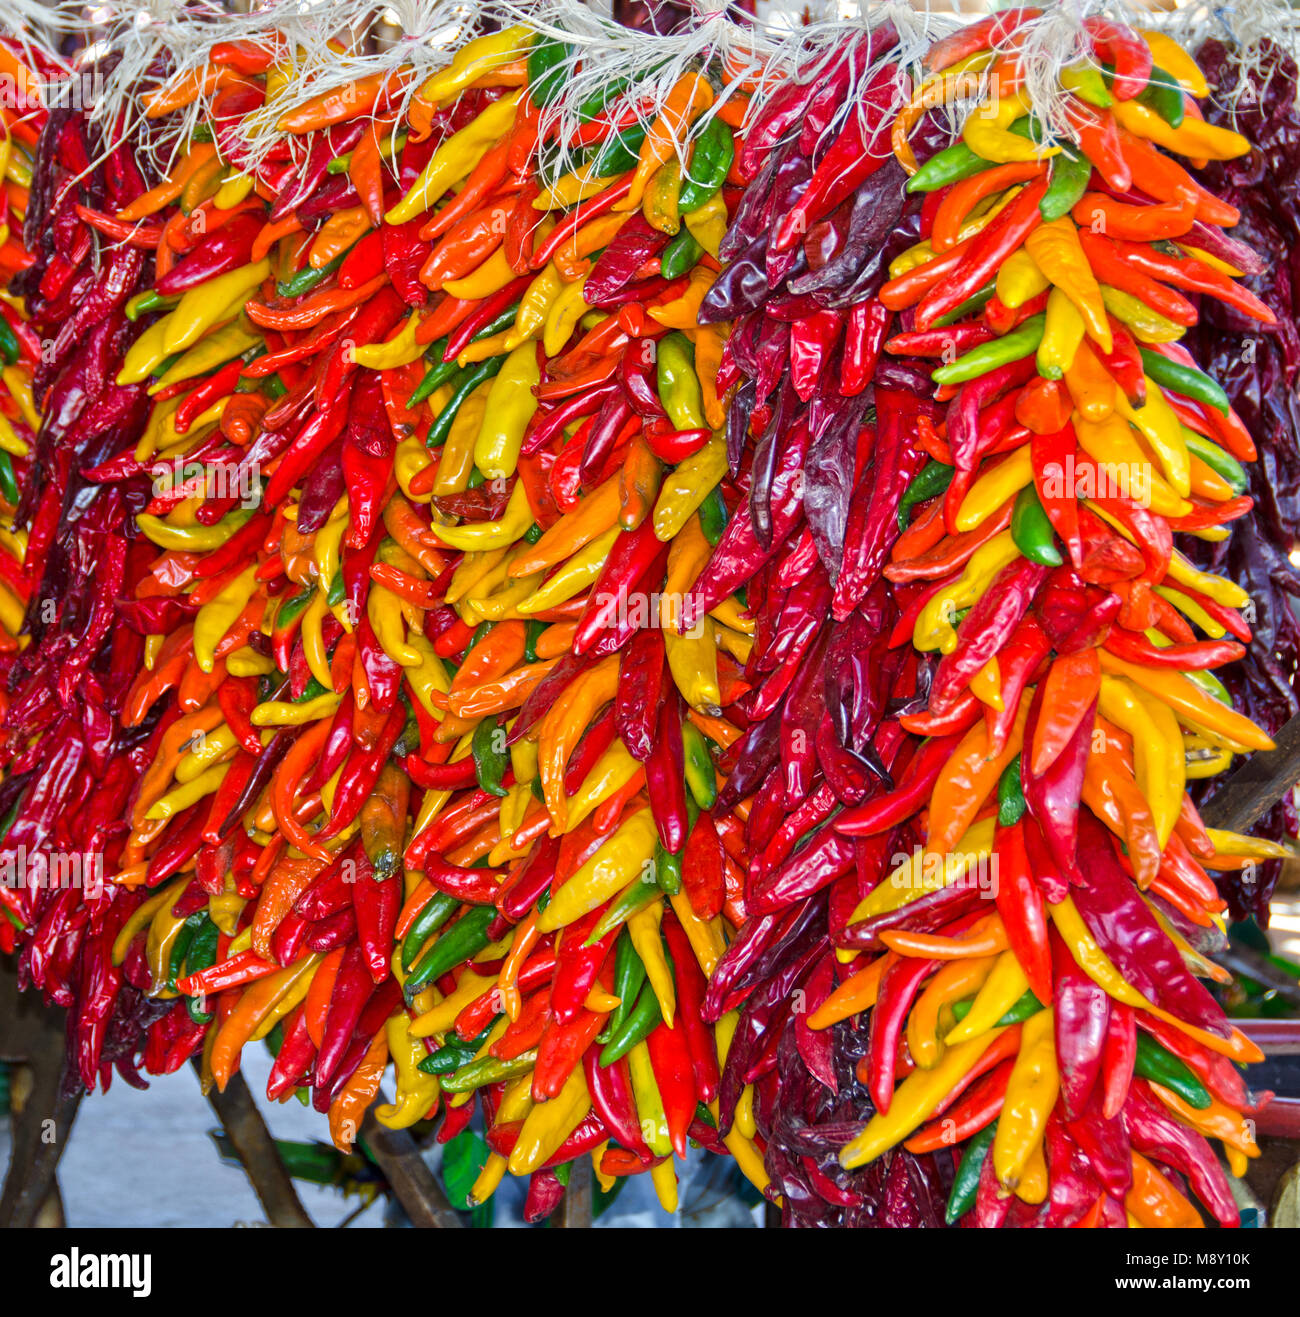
[(679, 386), (1011, 795), (488, 1070), (644, 890), (533, 534), (546, 70), (1187, 380), (338, 590), (1032, 532), (928, 483), (948, 166), (1161, 1066), (181, 947), (629, 975), (1164, 95), (680, 255), (149, 300), (1090, 86), (713, 515), (532, 634), (465, 385), (436, 911), (201, 955), (8, 483), (307, 278), (165, 365), (1211, 685), (639, 1023), (715, 149), (1022, 1009), (463, 940), (701, 777), (965, 1185), (9, 348), (668, 872), (441, 371), (455, 1053), (976, 302), (610, 90), (488, 747), (986, 357), (618, 152)]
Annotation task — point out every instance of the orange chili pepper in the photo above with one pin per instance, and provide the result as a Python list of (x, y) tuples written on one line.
[(690, 97), (986, 938), (316, 1005), (170, 188), (293, 770), (964, 196)]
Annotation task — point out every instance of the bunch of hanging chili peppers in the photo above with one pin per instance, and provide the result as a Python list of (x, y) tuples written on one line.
[(21, 119), (409, 765), (1006, 551), (1258, 367), (531, 609)]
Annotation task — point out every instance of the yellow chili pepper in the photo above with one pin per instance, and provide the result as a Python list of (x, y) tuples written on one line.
[(572, 188), (687, 485), (914, 1102), (1162, 430), (473, 61), (643, 929), (548, 1124), (400, 350), (621, 859), (210, 303), (706, 937), (1005, 985), (1170, 56), (1062, 335), (217, 616), (573, 577), (178, 801), (992, 489), (986, 132), (1019, 280), (1058, 254), (142, 916), (510, 406), (1031, 1095), (455, 159), (1148, 326), (707, 224), (1193, 138), (416, 1091), (659, 203), (649, 1104), (515, 521), (563, 316)]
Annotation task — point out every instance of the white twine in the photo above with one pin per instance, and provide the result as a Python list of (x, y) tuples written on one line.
[(324, 47)]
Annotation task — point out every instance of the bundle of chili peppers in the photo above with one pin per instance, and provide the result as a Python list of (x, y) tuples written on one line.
[(1055, 696), (410, 766), (662, 619), (1258, 367)]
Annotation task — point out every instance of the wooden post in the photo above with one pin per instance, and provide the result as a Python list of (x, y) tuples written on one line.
[(1258, 784), (418, 1191), (576, 1207), (43, 1106), (257, 1153)]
